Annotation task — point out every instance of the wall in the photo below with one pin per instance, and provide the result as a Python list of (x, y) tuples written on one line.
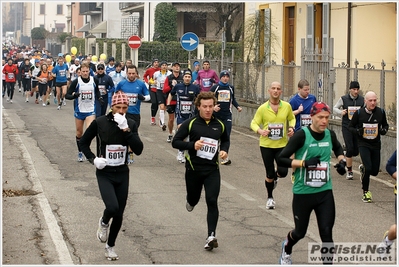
[(244, 118)]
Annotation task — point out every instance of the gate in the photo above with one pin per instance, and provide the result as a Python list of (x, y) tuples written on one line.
[(317, 68)]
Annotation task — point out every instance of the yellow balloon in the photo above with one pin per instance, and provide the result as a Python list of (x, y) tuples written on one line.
[(68, 58), (103, 56), (94, 58), (74, 50)]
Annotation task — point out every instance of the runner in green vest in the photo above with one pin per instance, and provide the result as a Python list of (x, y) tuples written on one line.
[(312, 187)]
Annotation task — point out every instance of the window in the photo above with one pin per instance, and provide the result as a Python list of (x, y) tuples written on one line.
[(59, 9), (42, 9)]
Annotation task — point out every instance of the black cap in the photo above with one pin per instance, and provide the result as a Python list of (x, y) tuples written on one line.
[(101, 65), (163, 62), (354, 84), (224, 73), (187, 72), (111, 59), (174, 63)]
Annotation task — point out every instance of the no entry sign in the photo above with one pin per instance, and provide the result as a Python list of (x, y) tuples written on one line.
[(134, 42)]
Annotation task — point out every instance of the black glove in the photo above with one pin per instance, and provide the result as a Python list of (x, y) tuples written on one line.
[(383, 131), (360, 131), (212, 80), (101, 100), (340, 166), (76, 95), (140, 97), (170, 109), (312, 163)]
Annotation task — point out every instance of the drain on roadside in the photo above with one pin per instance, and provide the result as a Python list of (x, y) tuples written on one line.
[(18, 193)]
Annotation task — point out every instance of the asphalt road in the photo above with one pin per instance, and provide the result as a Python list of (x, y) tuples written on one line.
[(51, 203)]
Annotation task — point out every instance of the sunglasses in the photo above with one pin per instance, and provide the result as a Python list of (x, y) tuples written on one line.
[(100, 68)]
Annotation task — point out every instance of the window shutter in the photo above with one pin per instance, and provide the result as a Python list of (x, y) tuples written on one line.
[(310, 26), (326, 27)]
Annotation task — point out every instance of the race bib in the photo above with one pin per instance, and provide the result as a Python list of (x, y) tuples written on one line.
[(317, 177), (276, 131), (206, 82), (115, 155), (209, 149), (370, 130), (224, 96), (86, 95), (351, 111), (305, 120), (132, 99), (62, 73), (185, 107), (27, 76), (10, 76), (102, 89)]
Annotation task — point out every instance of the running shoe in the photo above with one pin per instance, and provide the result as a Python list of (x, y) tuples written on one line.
[(130, 159), (27, 100), (153, 121), (31, 93), (164, 127), (226, 162), (110, 254), (189, 208), (349, 176), (292, 178), (361, 169), (19, 90), (8, 99), (367, 197), (64, 102), (102, 231), (48, 102), (384, 249), (270, 204), (44, 104), (285, 259), (40, 99), (211, 242), (58, 107), (80, 154), (36, 101), (170, 137), (180, 157), (55, 101)]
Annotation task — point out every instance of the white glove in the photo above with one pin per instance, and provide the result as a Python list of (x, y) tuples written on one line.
[(100, 163), (121, 120)]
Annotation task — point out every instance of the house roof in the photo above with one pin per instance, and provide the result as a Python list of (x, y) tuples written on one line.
[(100, 28)]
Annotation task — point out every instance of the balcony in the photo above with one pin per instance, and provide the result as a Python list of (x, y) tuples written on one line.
[(131, 6), (89, 8)]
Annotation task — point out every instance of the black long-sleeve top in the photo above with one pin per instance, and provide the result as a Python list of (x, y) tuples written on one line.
[(109, 134), (195, 128), (376, 116), (298, 140)]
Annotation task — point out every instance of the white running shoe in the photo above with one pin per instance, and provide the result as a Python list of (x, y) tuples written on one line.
[(102, 231), (64, 102), (59, 107), (384, 248), (44, 104), (211, 242), (11, 101), (180, 157), (170, 137), (8, 99), (110, 254), (285, 259), (80, 154), (271, 204)]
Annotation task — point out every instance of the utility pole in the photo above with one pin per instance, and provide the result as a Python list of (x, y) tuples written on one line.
[(223, 43)]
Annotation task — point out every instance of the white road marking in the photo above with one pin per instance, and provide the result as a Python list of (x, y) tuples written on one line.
[(54, 230)]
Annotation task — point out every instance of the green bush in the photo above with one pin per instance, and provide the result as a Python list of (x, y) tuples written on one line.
[(79, 43)]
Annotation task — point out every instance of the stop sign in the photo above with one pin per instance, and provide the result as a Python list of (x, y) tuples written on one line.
[(134, 42)]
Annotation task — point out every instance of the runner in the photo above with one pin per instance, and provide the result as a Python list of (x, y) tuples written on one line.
[(159, 79), (312, 188), (116, 133), (60, 72), (84, 90)]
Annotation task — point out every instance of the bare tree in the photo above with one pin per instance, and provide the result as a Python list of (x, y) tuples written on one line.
[(231, 13)]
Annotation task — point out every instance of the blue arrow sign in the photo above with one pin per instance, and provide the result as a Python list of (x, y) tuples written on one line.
[(189, 41)]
